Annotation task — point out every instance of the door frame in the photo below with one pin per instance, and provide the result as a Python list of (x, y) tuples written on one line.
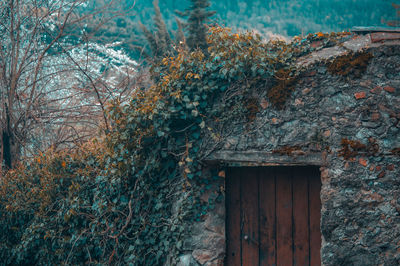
[(265, 159)]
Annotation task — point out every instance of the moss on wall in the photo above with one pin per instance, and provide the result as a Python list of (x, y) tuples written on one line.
[(354, 64)]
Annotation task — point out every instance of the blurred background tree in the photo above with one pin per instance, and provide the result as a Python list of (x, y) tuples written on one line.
[(197, 17)]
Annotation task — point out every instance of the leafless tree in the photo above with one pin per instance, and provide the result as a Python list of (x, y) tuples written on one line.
[(49, 91)]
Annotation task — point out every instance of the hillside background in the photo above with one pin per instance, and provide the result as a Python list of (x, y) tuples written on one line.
[(286, 18)]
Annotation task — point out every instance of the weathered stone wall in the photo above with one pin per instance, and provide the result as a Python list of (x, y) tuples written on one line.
[(360, 193), (205, 243)]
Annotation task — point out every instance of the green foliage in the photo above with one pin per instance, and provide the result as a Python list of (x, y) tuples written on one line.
[(131, 197), (198, 16), (160, 41)]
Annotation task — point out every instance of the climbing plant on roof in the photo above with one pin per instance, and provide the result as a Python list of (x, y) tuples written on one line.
[(113, 200)]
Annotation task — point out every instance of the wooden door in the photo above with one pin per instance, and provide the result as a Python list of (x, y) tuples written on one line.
[(273, 216)]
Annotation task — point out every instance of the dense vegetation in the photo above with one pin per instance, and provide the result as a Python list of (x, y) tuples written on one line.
[(112, 200)]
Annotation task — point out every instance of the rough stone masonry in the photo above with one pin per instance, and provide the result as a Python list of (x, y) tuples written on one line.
[(349, 125)]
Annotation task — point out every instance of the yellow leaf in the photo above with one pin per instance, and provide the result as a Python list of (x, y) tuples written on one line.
[(189, 75)]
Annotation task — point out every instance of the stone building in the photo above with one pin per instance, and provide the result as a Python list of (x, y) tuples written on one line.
[(319, 180)]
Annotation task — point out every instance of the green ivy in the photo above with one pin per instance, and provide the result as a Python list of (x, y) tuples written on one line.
[(115, 200)]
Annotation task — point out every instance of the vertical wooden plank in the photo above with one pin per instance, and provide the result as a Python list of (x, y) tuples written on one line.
[(267, 217), (249, 202), (233, 255), (284, 217), (300, 218), (314, 182)]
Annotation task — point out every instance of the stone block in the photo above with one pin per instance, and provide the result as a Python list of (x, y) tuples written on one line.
[(187, 260), (360, 95), (383, 36), (389, 89)]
